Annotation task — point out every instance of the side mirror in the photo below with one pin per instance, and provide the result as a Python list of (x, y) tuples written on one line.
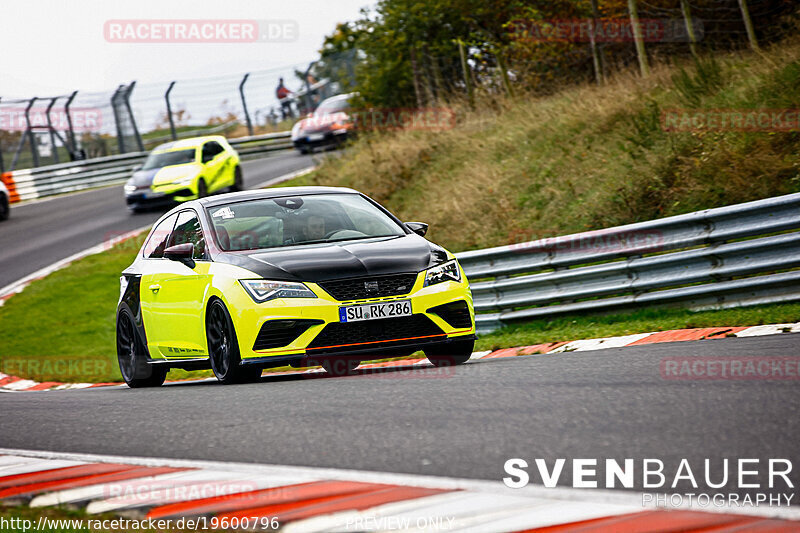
[(420, 228), (181, 252), (137, 168)]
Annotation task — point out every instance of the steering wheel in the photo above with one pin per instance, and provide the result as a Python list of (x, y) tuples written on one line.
[(332, 233)]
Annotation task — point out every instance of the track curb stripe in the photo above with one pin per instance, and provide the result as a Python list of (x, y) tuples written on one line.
[(300, 503)]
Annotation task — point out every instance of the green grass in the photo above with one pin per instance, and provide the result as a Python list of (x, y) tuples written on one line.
[(570, 328)]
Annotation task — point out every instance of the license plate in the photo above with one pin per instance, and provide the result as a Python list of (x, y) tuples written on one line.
[(316, 137), (376, 311)]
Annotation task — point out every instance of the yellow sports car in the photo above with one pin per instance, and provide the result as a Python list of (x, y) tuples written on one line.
[(288, 276), (184, 170)]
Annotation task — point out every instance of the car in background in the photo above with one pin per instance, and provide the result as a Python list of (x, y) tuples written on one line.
[(328, 126), (183, 170), (294, 276), (5, 202)]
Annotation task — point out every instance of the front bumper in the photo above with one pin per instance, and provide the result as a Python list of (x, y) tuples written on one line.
[(372, 339), (319, 139), (162, 195)]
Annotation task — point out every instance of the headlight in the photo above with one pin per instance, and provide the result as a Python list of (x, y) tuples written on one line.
[(445, 272), (129, 187), (263, 291), (183, 181)]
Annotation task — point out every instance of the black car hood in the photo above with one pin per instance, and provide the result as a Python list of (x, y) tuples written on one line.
[(350, 259)]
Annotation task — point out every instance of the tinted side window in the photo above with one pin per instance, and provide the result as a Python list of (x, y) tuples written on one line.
[(210, 150), (154, 249), (187, 229)]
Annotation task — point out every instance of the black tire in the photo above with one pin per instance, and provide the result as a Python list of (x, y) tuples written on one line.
[(5, 209), (450, 354), (238, 180), (133, 365), (202, 189), (223, 347), (340, 366)]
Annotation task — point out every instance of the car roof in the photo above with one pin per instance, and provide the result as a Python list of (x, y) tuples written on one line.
[(182, 144)]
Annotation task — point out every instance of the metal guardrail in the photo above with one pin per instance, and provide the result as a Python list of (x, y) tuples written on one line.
[(28, 184), (718, 258)]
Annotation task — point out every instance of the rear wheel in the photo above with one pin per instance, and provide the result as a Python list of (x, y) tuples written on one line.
[(339, 366), (238, 180), (133, 365), (450, 354), (223, 348)]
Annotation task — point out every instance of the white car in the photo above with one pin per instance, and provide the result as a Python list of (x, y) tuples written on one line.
[(5, 204)]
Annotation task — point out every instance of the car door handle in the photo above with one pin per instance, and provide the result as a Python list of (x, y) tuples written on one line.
[(155, 287)]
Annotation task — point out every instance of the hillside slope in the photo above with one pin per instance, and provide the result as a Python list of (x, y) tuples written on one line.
[(587, 158)]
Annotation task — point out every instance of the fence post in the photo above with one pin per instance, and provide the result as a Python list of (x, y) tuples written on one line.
[(29, 131), (748, 25), (244, 105), (120, 139), (169, 112), (127, 96), (73, 147), (638, 38), (50, 130)]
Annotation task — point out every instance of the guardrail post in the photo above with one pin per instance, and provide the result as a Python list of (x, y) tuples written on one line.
[(120, 139), (73, 147), (127, 97), (169, 112), (29, 132), (50, 130), (244, 104)]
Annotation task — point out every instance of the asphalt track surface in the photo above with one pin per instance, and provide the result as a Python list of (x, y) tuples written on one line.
[(42, 232), (464, 422)]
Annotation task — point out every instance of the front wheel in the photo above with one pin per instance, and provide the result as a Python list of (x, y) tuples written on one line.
[(202, 189), (5, 209), (223, 348), (133, 365), (450, 354), (238, 180)]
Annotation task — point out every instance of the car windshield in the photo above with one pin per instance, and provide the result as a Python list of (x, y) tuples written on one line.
[(297, 220), (166, 159), (332, 106)]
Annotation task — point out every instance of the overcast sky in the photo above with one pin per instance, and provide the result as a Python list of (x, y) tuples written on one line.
[(52, 47)]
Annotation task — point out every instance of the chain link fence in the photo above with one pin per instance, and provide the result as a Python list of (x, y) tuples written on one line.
[(136, 117)]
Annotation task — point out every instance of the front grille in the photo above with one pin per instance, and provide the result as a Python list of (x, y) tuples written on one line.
[(363, 288), (277, 333), (455, 313), (387, 329)]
